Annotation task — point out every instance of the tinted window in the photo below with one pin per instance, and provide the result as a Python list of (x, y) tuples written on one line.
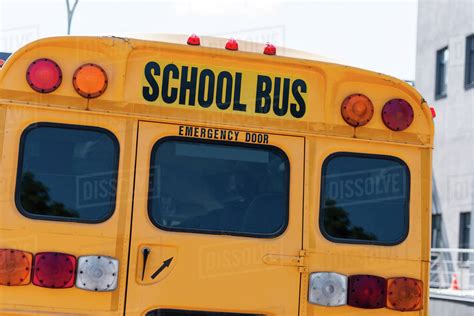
[(441, 85), (218, 188), (67, 173), (364, 199), (469, 78)]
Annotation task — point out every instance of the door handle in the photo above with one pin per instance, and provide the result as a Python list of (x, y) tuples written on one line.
[(146, 252)]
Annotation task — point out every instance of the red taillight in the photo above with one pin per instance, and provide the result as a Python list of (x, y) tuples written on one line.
[(15, 267), (397, 114), (1, 62), (54, 270), (232, 45), (194, 40), (433, 112), (367, 291), (270, 49), (44, 75), (404, 294)]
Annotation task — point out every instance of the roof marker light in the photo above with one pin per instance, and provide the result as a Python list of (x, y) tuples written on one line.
[(90, 81), (15, 267), (397, 114), (404, 294), (327, 289), (357, 110), (232, 44), (433, 112), (44, 75), (97, 273), (194, 40), (270, 49), (54, 270), (367, 291)]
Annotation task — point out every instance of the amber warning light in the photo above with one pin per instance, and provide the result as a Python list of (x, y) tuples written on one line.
[(90, 81)]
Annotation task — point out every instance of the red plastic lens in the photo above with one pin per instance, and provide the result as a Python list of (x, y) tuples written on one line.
[(1, 62), (397, 114), (433, 112), (232, 45), (194, 40), (404, 294), (54, 270), (367, 291), (15, 267), (270, 49), (44, 75)]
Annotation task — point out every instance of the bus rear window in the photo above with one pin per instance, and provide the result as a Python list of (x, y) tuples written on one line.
[(364, 199), (218, 188), (67, 173)]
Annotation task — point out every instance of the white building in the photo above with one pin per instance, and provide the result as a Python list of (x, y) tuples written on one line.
[(445, 77)]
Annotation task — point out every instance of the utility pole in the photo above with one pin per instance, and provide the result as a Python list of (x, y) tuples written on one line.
[(70, 13)]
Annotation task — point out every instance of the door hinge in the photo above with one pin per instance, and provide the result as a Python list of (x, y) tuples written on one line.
[(285, 260)]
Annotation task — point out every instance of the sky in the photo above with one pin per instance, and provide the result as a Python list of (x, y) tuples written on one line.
[(378, 35)]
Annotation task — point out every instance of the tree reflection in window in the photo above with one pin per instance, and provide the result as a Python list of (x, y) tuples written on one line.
[(35, 198), (337, 223)]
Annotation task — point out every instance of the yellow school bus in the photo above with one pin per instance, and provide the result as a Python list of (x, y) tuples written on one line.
[(197, 177)]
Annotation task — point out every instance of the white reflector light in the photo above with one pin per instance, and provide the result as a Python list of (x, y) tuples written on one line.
[(327, 289), (97, 273)]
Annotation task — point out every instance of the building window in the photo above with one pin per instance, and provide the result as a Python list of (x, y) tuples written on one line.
[(67, 173), (469, 81), (464, 234), (364, 199), (219, 188), (436, 231), (442, 56)]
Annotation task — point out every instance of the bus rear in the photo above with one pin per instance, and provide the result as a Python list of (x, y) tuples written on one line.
[(161, 179)]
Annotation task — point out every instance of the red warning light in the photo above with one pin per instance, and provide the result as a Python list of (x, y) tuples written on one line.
[(397, 114), (270, 49), (1, 62), (44, 75), (232, 45), (194, 40), (367, 291), (54, 270)]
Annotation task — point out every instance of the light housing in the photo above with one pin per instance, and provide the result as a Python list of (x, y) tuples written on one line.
[(367, 291), (90, 81), (357, 110), (270, 49), (15, 267), (327, 289), (54, 270), (97, 273), (232, 44), (404, 294), (194, 40), (44, 75), (397, 114)]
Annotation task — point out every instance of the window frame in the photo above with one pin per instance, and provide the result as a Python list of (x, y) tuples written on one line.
[(19, 171), (337, 240), (276, 149), (468, 76), (439, 94)]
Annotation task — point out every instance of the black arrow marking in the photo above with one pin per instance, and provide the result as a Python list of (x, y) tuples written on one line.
[(165, 264)]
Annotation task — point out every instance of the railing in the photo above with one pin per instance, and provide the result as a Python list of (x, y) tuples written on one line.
[(452, 272)]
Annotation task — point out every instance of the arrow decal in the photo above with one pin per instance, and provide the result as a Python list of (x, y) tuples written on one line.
[(165, 265)]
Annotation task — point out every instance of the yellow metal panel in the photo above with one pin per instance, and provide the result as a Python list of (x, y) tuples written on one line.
[(214, 272), (109, 238)]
